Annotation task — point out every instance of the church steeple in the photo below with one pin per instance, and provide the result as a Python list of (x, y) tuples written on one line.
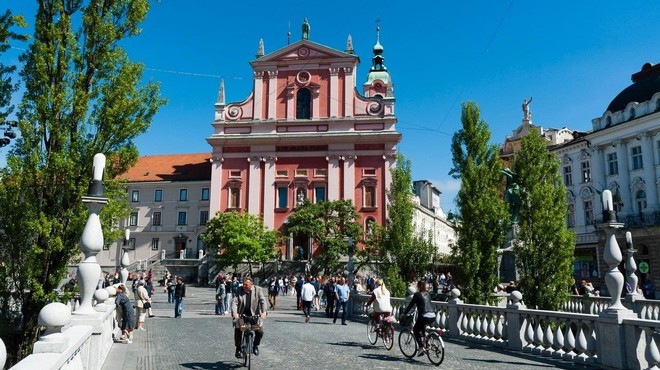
[(379, 82), (349, 45)]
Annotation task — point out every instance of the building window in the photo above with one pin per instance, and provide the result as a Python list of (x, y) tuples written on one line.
[(612, 164), (282, 173), (321, 172), (588, 212), (586, 171), (370, 196), (235, 174), (135, 196), (203, 217), (205, 193), (637, 162), (303, 104), (633, 114), (319, 194), (282, 197), (154, 244), (182, 218), (608, 121), (133, 220), (131, 244), (301, 173), (369, 172), (568, 177), (156, 219), (570, 219), (158, 195), (640, 199), (183, 195), (235, 198), (369, 226)]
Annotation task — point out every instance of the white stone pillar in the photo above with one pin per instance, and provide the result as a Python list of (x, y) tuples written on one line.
[(349, 86), (649, 173), (272, 94), (91, 240), (579, 214), (315, 102), (290, 104), (216, 185), (258, 97), (334, 92), (269, 192), (349, 178), (624, 177), (390, 162), (254, 186), (333, 177)]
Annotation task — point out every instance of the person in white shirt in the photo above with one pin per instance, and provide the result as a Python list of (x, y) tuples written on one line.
[(307, 294), (381, 300)]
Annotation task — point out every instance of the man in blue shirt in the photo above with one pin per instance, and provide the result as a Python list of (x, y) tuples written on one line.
[(343, 294)]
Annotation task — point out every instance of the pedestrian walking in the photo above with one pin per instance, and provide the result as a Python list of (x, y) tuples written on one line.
[(343, 295), (179, 295), (171, 285), (330, 292), (220, 294), (307, 293), (142, 303), (273, 291)]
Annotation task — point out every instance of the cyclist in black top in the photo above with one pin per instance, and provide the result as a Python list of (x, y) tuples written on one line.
[(425, 313)]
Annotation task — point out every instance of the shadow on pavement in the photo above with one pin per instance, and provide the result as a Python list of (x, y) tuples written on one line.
[(214, 365), (353, 344), (383, 357)]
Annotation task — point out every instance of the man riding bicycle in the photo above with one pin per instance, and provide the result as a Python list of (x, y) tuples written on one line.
[(425, 313), (249, 301)]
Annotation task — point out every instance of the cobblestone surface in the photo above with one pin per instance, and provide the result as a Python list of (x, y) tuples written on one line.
[(203, 340)]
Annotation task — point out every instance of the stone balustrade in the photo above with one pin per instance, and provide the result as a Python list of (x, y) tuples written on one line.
[(582, 334)]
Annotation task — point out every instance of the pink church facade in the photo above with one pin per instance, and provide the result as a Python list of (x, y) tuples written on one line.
[(305, 131)]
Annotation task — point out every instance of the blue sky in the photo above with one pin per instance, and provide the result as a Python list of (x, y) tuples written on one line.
[(572, 57)]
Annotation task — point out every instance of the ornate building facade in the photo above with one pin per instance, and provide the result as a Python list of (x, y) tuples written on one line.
[(305, 132)]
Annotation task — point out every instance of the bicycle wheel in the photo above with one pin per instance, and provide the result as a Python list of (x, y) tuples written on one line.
[(436, 349), (388, 336), (247, 351), (407, 343), (372, 335)]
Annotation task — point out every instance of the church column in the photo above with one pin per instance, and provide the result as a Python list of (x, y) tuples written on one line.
[(649, 172), (316, 104), (290, 104), (272, 94), (333, 177), (254, 185), (258, 94), (334, 92), (624, 176), (349, 178), (216, 185), (269, 192), (390, 161), (349, 86)]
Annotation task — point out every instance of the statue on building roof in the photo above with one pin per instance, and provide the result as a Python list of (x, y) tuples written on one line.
[(527, 115), (305, 29)]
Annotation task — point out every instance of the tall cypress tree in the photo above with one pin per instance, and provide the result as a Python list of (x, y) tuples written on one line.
[(82, 96), (544, 254), (482, 214)]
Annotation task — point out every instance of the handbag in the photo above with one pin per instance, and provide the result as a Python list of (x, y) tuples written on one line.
[(146, 305)]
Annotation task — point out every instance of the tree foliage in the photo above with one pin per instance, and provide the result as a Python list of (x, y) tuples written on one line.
[(329, 224), (7, 86), (82, 95), (235, 237), (482, 214), (544, 254), (401, 246)]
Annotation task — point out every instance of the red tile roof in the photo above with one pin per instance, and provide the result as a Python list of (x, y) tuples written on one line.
[(171, 167)]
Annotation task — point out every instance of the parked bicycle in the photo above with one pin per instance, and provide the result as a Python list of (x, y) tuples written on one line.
[(432, 341), (248, 324), (384, 329)]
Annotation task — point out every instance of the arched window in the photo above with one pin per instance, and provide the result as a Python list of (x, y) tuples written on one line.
[(303, 104), (640, 199), (370, 224), (608, 121), (632, 113)]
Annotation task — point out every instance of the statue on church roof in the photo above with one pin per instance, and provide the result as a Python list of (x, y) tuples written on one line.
[(305, 29), (527, 115)]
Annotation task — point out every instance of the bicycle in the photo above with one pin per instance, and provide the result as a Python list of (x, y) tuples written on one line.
[(431, 341), (384, 329), (248, 324)]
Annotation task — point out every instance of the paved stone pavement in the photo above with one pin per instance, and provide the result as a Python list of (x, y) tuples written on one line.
[(203, 340)]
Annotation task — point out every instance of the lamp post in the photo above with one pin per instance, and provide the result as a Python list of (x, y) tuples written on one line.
[(91, 241), (351, 268), (9, 133), (124, 258)]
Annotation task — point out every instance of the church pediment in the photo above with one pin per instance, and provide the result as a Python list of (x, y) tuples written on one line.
[(303, 50)]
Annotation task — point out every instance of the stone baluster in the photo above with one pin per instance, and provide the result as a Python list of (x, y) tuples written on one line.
[(581, 344), (125, 262), (529, 334), (538, 337), (612, 254), (651, 353), (631, 266), (558, 341), (91, 241), (548, 340), (3, 354), (54, 316), (569, 342)]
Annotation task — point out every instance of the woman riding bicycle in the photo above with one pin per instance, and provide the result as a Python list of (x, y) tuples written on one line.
[(381, 300), (425, 314)]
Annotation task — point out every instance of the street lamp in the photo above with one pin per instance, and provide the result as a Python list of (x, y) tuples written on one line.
[(9, 133)]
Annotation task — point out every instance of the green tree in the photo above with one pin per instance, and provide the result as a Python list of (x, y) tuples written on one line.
[(7, 85), (544, 254), (482, 214), (402, 246), (235, 237), (329, 224), (81, 96)]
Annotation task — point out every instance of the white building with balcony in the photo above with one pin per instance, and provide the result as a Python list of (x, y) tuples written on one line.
[(429, 218)]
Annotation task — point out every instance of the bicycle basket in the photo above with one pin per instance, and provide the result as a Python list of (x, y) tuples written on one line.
[(406, 320)]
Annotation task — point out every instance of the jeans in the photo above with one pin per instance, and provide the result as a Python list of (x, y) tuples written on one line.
[(227, 301), (307, 307), (220, 306), (178, 306), (330, 307), (170, 296), (343, 306)]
